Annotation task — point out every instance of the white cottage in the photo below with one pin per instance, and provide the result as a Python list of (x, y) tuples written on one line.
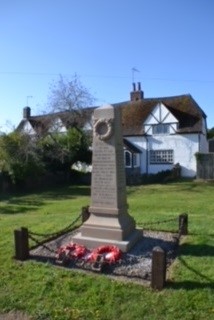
[(158, 132), (166, 131)]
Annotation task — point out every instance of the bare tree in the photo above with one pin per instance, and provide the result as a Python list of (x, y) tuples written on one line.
[(69, 95), (67, 120)]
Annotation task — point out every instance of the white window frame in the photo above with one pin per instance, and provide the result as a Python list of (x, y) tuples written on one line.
[(129, 154), (136, 160), (161, 156), (161, 128)]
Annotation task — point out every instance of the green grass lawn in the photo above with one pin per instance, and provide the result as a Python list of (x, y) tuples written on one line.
[(47, 292)]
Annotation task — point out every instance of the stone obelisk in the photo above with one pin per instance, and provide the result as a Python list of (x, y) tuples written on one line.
[(109, 222)]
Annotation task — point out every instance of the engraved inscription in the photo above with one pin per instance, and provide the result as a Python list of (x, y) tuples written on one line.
[(104, 191), (108, 172)]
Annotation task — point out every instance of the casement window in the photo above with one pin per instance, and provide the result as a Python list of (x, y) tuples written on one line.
[(128, 159), (131, 159), (136, 160), (160, 128), (161, 156)]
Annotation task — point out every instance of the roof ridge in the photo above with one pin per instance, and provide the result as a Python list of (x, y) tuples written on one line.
[(169, 97), (60, 112)]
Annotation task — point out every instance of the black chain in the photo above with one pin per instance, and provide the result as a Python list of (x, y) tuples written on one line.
[(181, 228), (56, 233), (50, 236), (40, 243), (68, 228), (157, 222)]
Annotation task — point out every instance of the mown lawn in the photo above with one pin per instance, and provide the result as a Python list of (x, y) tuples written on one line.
[(46, 292)]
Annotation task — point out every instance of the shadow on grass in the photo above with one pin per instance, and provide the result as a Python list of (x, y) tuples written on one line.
[(28, 202), (16, 205), (205, 283), (201, 250), (69, 192), (17, 210), (190, 285), (53, 192)]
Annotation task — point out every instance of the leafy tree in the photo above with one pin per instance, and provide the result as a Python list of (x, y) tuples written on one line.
[(210, 133), (61, 151), (23, 156), (19, 156)]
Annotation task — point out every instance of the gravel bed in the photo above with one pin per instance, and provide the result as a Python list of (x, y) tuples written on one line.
[(133, 266), (14, 315)]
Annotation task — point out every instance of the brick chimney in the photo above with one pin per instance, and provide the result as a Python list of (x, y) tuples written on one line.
[(136, 94), (26, 112)]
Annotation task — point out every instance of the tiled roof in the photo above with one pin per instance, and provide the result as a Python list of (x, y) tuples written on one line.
[(134, 113), (183, 107), (42, 123)]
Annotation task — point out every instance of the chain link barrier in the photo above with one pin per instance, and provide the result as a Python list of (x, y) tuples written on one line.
[(157, 222), (183, 225), (40, 243), (51, 236)]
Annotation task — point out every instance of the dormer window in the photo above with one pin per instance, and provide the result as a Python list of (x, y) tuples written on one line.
[(161, 128)]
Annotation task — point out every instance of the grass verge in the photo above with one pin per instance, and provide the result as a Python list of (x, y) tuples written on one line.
[(46, 292)]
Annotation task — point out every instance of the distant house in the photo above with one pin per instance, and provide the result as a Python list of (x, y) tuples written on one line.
[(158, 132), (59, 122)]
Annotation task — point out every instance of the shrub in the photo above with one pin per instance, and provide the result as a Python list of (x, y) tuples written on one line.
[(160, 177)]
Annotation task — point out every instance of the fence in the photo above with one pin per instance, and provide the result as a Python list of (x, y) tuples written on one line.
[(158, 275), (158, 270), (205, 166)]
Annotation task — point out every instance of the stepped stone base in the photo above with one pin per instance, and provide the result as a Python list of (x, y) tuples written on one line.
[(123, 245)]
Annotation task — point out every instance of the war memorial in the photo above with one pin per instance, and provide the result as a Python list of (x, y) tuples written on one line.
[(109, 222)]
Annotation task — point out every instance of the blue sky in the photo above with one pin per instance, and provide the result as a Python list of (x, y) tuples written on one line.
[(170, 42)]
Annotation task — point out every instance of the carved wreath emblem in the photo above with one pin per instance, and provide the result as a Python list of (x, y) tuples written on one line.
[(103, 128)]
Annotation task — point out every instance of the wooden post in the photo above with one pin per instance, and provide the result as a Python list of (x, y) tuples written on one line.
[(21, 244), (158, 268), (183, 224), (85, 214)]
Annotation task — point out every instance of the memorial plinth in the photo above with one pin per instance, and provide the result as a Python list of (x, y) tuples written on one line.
[(109, 222)]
